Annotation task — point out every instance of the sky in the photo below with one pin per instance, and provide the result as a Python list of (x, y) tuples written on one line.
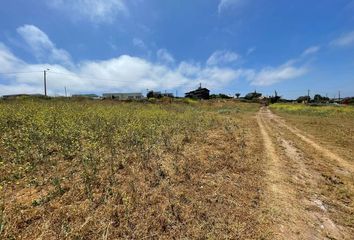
[(229, 46)]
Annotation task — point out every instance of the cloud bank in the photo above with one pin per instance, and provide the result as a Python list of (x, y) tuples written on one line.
[(126, 73), (122, 73)]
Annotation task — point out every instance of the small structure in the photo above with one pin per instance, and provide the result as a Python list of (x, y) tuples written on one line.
[(123, 96), (90, 96), (170, 95), (153, 94), (200, 93)]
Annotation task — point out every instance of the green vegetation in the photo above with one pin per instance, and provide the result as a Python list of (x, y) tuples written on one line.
[(302, 109)]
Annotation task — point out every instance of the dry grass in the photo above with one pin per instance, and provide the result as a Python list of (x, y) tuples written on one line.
[(332, 127), (104, 170)]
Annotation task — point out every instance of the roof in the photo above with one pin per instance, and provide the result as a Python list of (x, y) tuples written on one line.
[(85, 95), (122, 94), (199, 90)]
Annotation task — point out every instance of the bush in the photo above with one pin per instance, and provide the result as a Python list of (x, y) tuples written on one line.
[(190, 101)]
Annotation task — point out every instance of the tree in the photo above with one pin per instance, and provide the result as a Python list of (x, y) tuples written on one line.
[(303, 99), (253, 95), (153, 94), (275, 99), (220, 96), (318, 98), (238, 95), (224, 96)]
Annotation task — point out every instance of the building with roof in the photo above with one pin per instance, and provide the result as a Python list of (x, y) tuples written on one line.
[(123, 96), (90, 96), (200, 93)]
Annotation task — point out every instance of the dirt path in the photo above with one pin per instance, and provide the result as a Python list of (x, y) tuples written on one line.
[(296, 196), (327, 153)]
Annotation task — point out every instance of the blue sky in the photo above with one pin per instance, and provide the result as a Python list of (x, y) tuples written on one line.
[(95, 46)]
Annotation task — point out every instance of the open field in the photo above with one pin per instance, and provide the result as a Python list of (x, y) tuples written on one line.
[(183, 170), (104, 170)]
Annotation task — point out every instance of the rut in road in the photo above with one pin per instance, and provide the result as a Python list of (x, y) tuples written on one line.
[(294, 197), (324, 151)]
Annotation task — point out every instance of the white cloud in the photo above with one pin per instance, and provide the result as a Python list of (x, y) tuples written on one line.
[(270, 75), (8, 61), (42, 47), (122, 73), (222, 57), (311, 50), (139, 43), (97, 11), (18, 88), (225, 4), (344, 40), (291, 69), (164, 56), (127, 73)]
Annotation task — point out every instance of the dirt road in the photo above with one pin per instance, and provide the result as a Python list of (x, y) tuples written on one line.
[(309, 188)]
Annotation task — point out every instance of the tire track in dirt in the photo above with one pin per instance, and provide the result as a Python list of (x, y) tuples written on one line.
[(280, 198), (307, 183), (325, 152), (292, 181)]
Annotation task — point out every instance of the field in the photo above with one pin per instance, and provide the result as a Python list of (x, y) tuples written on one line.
[(91, 170), (175, 170)]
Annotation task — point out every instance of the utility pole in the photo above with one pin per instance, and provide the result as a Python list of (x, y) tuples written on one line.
[(339, 95), (45, 82), (308, 95), (66, 95)]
